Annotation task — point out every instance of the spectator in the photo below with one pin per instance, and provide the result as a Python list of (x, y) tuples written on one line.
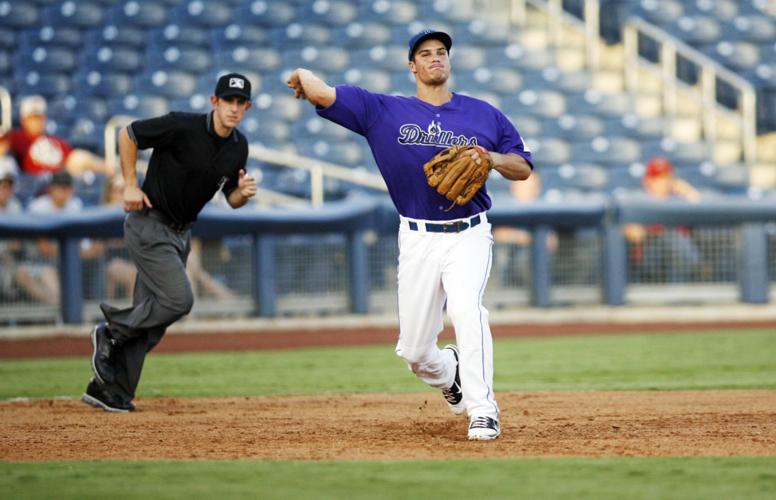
[(37, 152), (9, 205), (513, 261), (40, 278), (657, 253)]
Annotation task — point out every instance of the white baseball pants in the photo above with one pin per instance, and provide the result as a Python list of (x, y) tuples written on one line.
[(452, 267)]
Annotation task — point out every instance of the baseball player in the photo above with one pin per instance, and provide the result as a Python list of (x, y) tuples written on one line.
[(194, 155), (444, 249)]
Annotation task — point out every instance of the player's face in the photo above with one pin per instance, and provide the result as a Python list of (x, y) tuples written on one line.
[(229, 111), (34, 125), (431, 63)]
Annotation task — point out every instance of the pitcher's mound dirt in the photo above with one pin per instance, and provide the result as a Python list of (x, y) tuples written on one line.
[(394, 427)]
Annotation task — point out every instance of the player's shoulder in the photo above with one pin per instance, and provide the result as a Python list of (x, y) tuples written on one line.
[(469, 100)]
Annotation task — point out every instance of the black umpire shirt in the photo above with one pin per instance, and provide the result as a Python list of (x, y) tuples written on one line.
[(189, 163)]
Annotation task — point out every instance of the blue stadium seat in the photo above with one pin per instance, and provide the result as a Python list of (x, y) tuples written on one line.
[(282, 106), (138, 105), (115, 35), (317, 58), (660, 12), (483, 33), (468, 58), (177, 35), (266, 13), (515, 55), (737, 55), (6, 64), (122, 59), (403, 83), (81, 14), (695, 29), (186, 59), (235, 35), (753, 28), (195, 103), (138, 13), (331, 13), (386, 57), (19, 15), (170, 84), (610, 151), (551, 150), (248, 59), (454, 11), (543, 103), (47, 85), (341, 152), (498, 80), (29, 186), (677, 152), (45, 59), (722, 10), (631, 125), (395, 12), (49, 35), (93, 107), (105, 84), (87, 134), (574, 127), (7, 38), (605, 105), (528, 126), (298, 35), (266, 129), (372, 80), (205, 13), (316, 127)]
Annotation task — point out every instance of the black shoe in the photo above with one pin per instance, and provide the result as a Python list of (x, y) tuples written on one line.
[(454, 395), (102, 347), (98, 396)]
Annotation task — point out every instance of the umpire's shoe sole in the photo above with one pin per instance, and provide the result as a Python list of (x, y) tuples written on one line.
[(92, 401), (101, 351)]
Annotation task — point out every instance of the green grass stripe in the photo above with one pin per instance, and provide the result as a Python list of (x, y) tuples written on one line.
[(743, 359), (576, 478)]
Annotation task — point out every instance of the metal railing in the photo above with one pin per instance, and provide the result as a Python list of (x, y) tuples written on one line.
[(710, 73), (318, 169), (6, 111)]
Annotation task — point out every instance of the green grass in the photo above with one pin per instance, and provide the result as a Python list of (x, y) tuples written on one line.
[(713, 360), (603, 478)]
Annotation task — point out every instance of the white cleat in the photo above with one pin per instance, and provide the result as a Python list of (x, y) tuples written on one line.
[(483, 429)]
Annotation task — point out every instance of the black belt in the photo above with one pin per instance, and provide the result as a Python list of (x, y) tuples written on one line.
[(448, 227), (162, 217)]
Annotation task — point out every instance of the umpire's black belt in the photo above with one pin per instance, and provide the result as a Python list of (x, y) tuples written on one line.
[(162, 217), (446, 227)]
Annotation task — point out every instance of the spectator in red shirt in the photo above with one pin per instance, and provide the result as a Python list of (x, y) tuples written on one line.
[(37, 152)]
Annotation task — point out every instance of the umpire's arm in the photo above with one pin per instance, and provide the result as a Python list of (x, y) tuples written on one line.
[(308, 86)]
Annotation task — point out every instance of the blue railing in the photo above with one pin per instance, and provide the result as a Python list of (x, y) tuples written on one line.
[(357, 214)]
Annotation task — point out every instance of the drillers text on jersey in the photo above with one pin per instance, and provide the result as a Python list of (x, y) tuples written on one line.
[(411, 133)]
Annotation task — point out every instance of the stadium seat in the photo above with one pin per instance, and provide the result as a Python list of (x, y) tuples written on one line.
[(660, 12), (111, 59), (178, 36), (341, 152), (395, 12), (737, 55), (696, 152), (722, 10), (514, 55), (483, 33), (19, 15), (316, 127), (92, 107), (235, 35), (298, 35), (170, 84), (69, 13), (497, 80), (6, 64), (606, 105), (754, 28), (331, 13), (543, 103), (402, 83), (571, 127), (49, 35), (87, 134), (138, 105), (695, 29), (204, 13), (266, 129), (609, 151), (360, 34), (467, 58), (551, 150), (266, 13), (386, 57), (138, 13), (173, 58), (372, 80), (195, 103), (330, 59), (283, 106), (115, 35), (248, 59), (47, 85), (454, 11), (45, 59), (103, 84), (7, 38)]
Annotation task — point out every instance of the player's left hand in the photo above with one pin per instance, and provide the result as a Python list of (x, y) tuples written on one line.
[(246, 185)]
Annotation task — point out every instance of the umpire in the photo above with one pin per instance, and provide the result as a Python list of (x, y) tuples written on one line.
[(194, 155)]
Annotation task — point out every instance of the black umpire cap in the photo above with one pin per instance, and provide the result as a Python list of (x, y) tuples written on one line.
[(428, 34), (233, 84)]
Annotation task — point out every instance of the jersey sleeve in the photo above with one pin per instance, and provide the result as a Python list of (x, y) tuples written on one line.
[(511, 141), (154, 132), (354, 108)]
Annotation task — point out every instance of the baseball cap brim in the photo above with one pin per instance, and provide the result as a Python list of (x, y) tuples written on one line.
[(423, 36)]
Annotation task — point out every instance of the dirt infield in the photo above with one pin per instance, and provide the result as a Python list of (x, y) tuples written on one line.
[(395, 427)]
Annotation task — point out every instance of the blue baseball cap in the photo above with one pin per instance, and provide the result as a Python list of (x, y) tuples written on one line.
[(426, 35)]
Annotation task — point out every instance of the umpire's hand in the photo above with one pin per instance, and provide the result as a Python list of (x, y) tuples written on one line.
[(135, 199)]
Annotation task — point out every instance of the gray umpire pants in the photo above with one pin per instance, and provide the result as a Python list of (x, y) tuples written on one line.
[(162, 295)]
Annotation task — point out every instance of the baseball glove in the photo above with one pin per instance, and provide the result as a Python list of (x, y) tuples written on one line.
[(456, 175)]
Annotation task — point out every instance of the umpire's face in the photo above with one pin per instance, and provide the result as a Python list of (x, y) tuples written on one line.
[(229, 111), (431, 63)]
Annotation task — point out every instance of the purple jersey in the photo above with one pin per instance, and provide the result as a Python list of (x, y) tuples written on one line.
[(405, 132)]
